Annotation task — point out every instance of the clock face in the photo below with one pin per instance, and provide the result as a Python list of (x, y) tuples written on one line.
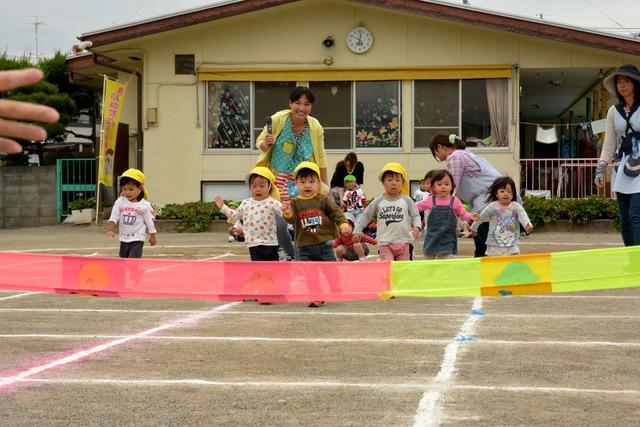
[(359, 40)]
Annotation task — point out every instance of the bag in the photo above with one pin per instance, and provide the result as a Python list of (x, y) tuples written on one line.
[(630, 145)]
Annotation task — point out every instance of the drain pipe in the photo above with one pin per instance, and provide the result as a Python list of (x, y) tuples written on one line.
[(139, 135)]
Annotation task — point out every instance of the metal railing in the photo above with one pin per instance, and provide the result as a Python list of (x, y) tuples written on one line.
[(564, 178), (75, 179)]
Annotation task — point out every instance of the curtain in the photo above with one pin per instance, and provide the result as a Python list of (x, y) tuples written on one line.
[(498, 103)]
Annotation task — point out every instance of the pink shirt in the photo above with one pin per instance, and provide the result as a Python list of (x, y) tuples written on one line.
[(458, 209)]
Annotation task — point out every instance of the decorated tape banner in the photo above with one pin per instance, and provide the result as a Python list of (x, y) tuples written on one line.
[(112, 100), (596, 269)]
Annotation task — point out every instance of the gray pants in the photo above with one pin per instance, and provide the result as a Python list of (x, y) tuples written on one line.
[(284, 238)]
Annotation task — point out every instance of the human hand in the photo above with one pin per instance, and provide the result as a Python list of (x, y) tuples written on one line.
[(474, 216), (357, 237), (219, 201), (599, 178), (528, 227), (473, 232), (286, 209), (111, 234), (13, 111), (268, 142), (415, 232), (153, 239)]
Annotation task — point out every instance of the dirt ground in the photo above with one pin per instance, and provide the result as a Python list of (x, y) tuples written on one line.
[(569, 360)]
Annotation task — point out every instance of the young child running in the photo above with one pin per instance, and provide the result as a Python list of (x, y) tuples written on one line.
[(317, 218), (354, 200), (135, 215), (441, 240), (398, 221), (258, 214), (347, 249), (503, 215)]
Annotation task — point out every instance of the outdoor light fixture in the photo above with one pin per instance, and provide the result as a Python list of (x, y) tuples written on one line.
[(328, 42), (601, 74)]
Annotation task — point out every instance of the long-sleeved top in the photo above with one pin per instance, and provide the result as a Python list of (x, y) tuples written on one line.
[(473, 176), (396, 216), (503, 223), (458, 209), (316, 219), (337, 179), (258, 219), (615, 129), (135, 219)]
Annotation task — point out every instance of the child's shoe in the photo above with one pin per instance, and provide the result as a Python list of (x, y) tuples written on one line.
[(316, 303)]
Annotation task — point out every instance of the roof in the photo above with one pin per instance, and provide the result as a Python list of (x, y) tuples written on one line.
[(457, 13)]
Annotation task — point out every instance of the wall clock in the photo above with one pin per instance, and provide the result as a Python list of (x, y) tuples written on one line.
[(359, 40)]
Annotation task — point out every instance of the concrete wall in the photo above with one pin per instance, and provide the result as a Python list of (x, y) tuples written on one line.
[(27, 196)]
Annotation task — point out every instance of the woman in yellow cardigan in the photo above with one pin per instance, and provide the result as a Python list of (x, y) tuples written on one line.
[(292, 137)]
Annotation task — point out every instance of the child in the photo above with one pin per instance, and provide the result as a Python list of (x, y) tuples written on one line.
[(135, 215), (423, 192), (398, 220), (444, 209), (258, 214), (316, 218), (346, 248), (503, 214), (354, 200)]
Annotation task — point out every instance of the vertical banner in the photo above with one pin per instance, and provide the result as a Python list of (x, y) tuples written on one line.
[(112, 100)]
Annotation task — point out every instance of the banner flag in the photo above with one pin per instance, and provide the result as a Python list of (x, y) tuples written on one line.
[(112, 100), (526, 274)]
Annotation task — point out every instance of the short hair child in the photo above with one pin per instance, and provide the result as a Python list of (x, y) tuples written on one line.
[(398, 221), (503, 215), (441, 240), (134, 214), (354, 200)]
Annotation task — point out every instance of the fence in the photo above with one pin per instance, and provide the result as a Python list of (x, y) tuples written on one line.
[(76, 178), (564, 178)]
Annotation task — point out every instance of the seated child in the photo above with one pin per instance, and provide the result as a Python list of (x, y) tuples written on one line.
[(503, 215), (347, 249), (354, 200), (258, 214)]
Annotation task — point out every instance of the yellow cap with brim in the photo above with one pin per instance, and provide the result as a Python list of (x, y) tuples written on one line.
[(397, 168), (138, 176), (306, 165), (265, 173)]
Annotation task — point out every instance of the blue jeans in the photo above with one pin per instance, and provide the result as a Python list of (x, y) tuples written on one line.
[(629, 210), (318, 252)]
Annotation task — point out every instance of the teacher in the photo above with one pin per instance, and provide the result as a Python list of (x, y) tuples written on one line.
[(472, 176), (292, 137)]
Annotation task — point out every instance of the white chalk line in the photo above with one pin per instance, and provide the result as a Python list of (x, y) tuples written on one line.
[(111, 344), (25, 294), (102, 248), (317, 384), (430, 410), (346, 340)]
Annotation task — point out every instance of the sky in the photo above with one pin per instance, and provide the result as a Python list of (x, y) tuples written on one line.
[(59, 22)]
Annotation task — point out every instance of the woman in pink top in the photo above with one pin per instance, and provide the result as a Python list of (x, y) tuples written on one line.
[(441, 240)]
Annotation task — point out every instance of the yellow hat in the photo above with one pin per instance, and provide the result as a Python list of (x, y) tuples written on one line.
[(138, 176), (397, 168), (306, 165), (265, 173)]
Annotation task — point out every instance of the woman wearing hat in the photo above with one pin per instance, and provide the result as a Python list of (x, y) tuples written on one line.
[(472, 176), (620, 145), (291, 137)]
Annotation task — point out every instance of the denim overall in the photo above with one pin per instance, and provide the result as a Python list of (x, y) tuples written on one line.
[(442, 230), (288, 152)]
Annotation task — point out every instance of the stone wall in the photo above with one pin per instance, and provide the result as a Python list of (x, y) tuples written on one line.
[(27, 196)]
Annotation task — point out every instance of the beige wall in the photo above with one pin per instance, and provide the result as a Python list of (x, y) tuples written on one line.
[(290, 36)]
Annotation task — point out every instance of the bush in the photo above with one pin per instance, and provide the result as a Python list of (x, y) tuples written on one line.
[(578, 211), (80, 204), (193, 217)]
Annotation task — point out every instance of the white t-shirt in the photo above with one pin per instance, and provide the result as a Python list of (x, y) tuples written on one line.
[(135, 219)]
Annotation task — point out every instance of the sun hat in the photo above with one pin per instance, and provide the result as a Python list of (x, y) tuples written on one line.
[(627, 70), (306, 165), (265, 173), (138, 176), (350, 178), (397, 168)]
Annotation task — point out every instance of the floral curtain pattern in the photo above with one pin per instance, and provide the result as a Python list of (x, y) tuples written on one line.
[(228, 115)]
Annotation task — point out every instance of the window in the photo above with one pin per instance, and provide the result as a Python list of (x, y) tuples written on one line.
[(269, 97), (333, 109), (377, 114), (476, 109), (185, 64), (228, 115)]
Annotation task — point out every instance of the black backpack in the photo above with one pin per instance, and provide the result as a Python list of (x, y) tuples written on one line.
[(630, 144)]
